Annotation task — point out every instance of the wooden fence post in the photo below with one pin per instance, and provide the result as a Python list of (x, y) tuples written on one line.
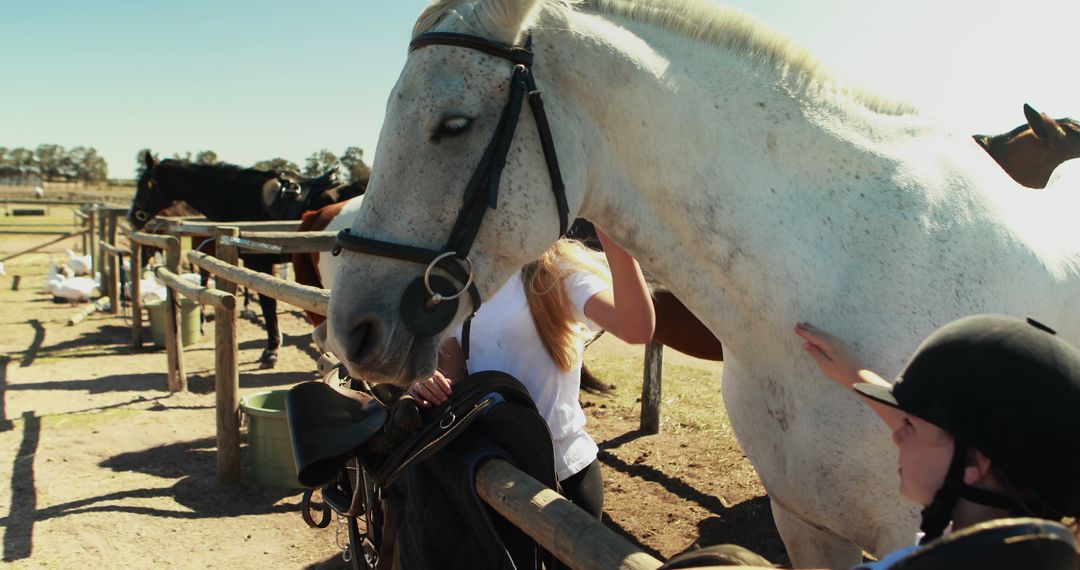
[(174, 341), (136, 294), (227, 378), (84, 221), (99, 261), (650, 388), (115, 292), (91, 223)]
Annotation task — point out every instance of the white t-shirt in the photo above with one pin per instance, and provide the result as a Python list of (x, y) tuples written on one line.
[(504, 337)]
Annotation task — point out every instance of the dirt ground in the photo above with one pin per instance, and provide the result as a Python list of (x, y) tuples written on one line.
[(108, 469)]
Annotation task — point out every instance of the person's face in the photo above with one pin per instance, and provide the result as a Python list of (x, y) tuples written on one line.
[(925, 453)]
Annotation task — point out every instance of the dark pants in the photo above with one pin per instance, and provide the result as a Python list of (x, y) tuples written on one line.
[(586, 489)]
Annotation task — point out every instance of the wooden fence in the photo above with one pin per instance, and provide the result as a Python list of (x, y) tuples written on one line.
[(575, 537)]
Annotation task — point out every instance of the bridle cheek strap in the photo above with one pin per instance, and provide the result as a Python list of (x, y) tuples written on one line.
[(481, 194)]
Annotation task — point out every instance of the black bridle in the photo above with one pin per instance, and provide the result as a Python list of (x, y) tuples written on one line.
[(430, 302), (140, 212)]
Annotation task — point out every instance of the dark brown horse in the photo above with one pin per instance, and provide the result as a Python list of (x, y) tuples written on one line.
[(1031, 152), (228, 193)]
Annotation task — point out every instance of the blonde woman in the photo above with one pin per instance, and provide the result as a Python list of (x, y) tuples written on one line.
[(534, 328)]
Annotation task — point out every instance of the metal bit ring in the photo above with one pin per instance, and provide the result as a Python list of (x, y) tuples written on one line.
[(439, 297)]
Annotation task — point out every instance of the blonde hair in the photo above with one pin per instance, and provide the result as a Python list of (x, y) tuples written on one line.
[(545, 290)]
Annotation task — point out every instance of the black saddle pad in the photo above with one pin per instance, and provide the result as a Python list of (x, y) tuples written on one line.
[(1002, 544)]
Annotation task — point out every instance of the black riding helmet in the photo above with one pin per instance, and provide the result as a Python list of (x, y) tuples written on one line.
[(1007, 387)]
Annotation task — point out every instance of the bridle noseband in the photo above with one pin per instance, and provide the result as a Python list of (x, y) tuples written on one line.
[(430, 302), (138, 209)]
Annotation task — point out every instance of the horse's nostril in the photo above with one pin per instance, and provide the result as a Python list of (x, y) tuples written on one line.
[(363, 342)]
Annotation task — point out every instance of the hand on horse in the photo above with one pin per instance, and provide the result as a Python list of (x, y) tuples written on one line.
[(832, 356), (433, 391)]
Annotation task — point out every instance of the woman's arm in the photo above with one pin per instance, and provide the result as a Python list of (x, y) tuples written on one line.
[(451, 368), (844, 367), (627, 310)]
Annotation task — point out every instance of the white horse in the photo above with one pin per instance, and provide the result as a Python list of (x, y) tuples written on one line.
[(749, 182)]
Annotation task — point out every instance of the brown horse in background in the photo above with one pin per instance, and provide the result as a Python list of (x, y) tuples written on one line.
[(1030, 153)]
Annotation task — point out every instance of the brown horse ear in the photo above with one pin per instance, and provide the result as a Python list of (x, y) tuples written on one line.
[(149, 160), (1044, 127)]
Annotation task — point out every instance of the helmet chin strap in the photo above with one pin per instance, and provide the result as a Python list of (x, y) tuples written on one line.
[(939, 513)]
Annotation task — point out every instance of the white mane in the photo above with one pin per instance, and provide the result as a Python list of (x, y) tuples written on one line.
[(699, 20)]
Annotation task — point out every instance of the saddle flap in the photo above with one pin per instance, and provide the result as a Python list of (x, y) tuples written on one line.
[(999, 545), (471, 398), (326, 424)]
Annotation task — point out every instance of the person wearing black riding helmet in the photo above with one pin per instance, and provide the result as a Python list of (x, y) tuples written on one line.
[(986, 418)]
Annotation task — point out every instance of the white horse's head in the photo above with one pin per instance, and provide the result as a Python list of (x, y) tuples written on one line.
[(439, 147)]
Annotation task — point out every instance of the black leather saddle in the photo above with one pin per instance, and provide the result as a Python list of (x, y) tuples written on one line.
[(296, 197), (329, 424), (1001, 544)]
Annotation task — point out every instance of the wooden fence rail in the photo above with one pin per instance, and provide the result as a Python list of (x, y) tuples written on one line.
[(209, 229), (571, 534), (46, 244), (305, 297)]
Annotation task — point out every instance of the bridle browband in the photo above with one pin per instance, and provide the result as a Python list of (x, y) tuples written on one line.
[(430, 302)]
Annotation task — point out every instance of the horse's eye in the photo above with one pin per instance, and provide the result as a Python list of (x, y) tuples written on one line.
[(452, 127)]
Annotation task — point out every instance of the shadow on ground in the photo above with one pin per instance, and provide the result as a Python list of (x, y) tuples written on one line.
[(749, 524), (193, 464)]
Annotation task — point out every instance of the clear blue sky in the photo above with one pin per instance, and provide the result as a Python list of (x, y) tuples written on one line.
[(259, 79)]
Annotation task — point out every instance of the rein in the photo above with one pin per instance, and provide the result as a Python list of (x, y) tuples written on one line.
[(430, 302)]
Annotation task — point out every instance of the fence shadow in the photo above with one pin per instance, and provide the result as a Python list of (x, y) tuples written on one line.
[(335, 562), (300, 341), (192, 464), (141, 382), (106, 340), (19, 524), (204, 384), (749, 523), (5, 423), (35, 344)]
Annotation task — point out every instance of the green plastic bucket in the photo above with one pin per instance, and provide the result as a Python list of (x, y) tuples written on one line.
[(189, 321), (268, 439)]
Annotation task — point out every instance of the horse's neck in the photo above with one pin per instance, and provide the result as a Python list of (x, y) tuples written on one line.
[(216, 197), (710, 149)]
